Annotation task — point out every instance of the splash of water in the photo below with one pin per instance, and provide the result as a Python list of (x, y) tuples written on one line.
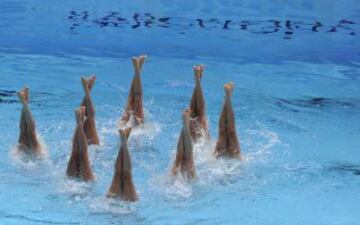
[(212, 171), (101, 205), (30, 161)]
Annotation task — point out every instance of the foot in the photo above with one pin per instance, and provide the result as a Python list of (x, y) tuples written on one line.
[(229, 88), (22, 97), (85, 84), (198, 70), (91, 81)]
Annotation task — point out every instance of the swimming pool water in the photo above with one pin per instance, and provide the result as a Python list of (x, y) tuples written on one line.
[(296, 99)]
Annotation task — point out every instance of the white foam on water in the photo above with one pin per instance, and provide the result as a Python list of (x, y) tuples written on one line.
[(24, 160), (43, 147), (261, 146), (172, 187), (143, 134), (179, 187), (177, 83), (30, 161), (109, 127), (148, 129), (73, 187), (210, 169), (101, 205)]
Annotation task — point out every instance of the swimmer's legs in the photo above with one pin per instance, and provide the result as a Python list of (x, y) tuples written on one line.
[(27, 138), (122, 185), (89, 124), (184, 161)]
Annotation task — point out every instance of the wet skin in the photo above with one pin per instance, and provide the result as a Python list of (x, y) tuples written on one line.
[(79, 163), (184, 161), (134, 106), (122, 185), (89, 124), (28, 141), (227, 143), (198, 122)]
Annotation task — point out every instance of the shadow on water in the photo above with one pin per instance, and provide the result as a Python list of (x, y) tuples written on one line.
[(25, 219), (7, 96), (346, 168), (286, 28), (295, 105)]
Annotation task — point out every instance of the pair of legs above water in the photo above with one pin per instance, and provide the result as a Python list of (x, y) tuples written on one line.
[(134, 108), (198, 122), (28, 141), (79, 163), (89, 124), (122, 185), (227, 143), (184, 160)]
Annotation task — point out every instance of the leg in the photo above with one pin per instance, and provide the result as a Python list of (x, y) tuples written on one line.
[(221, 144), (27, 139), (89, 124)]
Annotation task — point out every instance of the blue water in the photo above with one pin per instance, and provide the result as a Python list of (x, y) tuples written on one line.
[(296, 69)]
